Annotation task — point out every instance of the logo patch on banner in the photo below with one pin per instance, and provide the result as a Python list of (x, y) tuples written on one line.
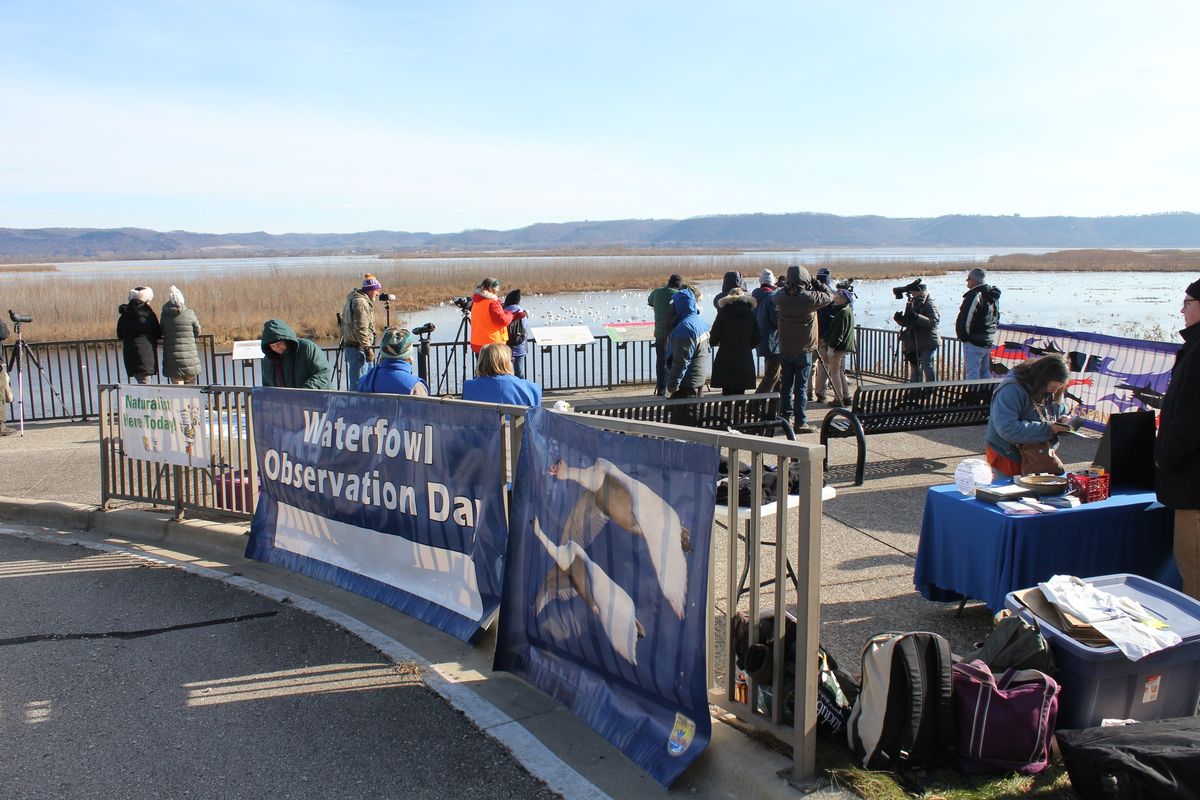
[(604, 597), (681, 735), (394, 498)]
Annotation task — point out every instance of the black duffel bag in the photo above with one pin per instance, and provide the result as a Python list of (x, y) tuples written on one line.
[(1135, 762)]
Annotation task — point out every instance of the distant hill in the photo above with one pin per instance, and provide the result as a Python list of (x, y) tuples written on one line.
[(727, 231)]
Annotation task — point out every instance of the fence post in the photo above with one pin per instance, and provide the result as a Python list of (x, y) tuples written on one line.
[(83, 394), (177, 483), (609, 378), (105, 447)]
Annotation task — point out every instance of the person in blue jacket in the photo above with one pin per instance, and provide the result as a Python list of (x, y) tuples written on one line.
[(1027, 407), (518, 331), (393, 371), (496, 382)]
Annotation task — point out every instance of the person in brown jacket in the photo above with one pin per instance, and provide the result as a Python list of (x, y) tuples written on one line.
[(794, 310)]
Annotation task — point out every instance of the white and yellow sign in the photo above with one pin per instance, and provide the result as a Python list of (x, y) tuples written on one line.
[(164, 424)]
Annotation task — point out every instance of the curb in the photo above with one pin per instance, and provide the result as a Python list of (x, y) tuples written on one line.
[(731, 760)]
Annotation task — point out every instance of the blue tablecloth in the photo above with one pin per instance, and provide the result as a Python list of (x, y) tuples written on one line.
[(970, 548)]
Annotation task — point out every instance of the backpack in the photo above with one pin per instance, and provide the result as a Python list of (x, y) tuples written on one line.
[(516, 332), (1135, 762), (904, 715)]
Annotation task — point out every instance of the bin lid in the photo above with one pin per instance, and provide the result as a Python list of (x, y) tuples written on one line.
[(1180, 612)]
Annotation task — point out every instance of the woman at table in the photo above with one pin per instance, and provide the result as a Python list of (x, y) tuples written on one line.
[(497, 384), (1026, 408)]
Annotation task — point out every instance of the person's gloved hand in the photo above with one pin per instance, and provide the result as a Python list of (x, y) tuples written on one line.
[(369, 353), (898, 317)]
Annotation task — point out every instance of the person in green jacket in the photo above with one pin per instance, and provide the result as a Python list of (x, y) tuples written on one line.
[(664, 317), (839, 340), (291, 362)]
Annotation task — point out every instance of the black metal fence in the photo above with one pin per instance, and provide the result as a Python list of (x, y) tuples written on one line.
[(58, 380)]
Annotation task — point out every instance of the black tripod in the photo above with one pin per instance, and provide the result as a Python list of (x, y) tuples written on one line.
[(462, 340), (20, 354)]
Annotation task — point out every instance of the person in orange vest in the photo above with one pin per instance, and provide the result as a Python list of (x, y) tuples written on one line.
[(489, 320)]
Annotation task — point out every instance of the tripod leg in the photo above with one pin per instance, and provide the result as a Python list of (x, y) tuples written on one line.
[(54, 392)]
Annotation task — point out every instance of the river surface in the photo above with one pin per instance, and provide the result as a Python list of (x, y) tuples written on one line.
[(1139, 305)]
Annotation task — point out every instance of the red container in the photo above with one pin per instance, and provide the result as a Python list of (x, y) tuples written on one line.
[(1089, 487), (233, 491)]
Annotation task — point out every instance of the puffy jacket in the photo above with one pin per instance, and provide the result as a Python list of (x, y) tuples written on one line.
[(768, 342), (1177, 449), (687, 347), (139, 331), (518, 349), (1014, 419), (392, 376), (795, 315), (358, 320), (302, 366), (978, 316), (734, 333), (181, 351), (664, 314), (489, 321), (920, 321), (732, 280)]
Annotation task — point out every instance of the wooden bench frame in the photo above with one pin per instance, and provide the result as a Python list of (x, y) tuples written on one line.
[(745, 413), (901, 407)]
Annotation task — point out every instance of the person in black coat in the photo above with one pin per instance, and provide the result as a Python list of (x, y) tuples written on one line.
[(1177, 449), (138, 329), (735, 334)]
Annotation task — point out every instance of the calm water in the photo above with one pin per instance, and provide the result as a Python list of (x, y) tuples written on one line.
[(1144, 305)]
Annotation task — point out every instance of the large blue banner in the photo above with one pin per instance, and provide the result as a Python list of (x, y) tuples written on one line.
[(605, 600), (397, 499), (1109, 374)]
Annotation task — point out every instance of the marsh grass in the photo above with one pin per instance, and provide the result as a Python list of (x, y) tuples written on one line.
[(233, 306)]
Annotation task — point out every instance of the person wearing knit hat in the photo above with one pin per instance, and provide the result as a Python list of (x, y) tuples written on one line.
[(139, 332), (919, 339), (489, 320), (518, 331), (976, 324), (664, 313), (1177, 448), (768, 346), (357, 324), (839, 341), (393, 373), (181, 340)]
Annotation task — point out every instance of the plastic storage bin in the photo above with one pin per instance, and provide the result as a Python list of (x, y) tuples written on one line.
[(1101, 683)]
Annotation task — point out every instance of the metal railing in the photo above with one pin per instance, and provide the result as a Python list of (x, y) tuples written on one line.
[(228, 486)]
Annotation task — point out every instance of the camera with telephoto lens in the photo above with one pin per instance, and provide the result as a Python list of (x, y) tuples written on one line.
[(424, 330), (464, 303), (19, 318), (846, 284), (916, 286), (387, 298)]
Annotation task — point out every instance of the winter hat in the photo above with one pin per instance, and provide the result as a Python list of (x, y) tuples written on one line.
[(823, 276), (797, 275), (370, 282), (396, 343), (175, 296), (846, 293), (675, 281), (977, 275), (513, 298), (143, 293), (766, 278), (489, 284), (1193, 291)]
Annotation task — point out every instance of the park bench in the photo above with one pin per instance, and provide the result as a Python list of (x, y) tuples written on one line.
[(901, 407), (745, 413)]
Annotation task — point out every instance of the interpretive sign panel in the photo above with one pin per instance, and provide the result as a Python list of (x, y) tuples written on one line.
[(164, 424)]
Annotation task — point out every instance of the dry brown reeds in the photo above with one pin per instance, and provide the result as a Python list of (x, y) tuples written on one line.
[(233, 306)]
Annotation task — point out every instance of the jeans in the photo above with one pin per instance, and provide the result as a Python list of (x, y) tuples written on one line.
[(793, 386), (355, 362), (660, 365), (977, 362), (921, 367), (519, 366)]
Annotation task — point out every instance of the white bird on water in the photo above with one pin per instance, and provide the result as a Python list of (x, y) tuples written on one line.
[(573, 573), (635, 507)]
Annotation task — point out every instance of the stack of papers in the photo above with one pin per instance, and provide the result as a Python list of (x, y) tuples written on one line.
[(1062, 501), (1016, 507)]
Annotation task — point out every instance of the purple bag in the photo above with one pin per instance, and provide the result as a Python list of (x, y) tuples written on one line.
[(1004, 723)]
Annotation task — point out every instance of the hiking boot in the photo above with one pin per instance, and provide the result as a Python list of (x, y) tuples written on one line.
[(799, 429)]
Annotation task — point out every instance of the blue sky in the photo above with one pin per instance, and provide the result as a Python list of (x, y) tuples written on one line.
[(322, 116)]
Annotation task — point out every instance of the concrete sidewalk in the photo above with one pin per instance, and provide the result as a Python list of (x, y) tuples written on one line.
[(869, 543)]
